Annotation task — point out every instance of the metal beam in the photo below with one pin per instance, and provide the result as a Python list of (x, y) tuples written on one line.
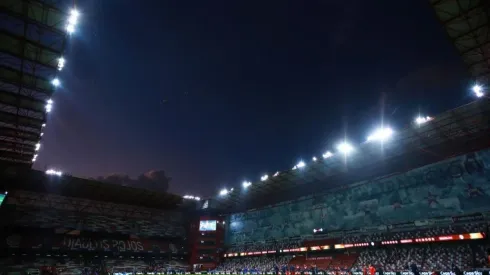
[(15, 119)]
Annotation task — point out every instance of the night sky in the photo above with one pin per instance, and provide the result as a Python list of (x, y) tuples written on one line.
[(216, 92)]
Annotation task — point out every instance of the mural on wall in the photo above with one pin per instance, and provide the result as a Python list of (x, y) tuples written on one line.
[(452, 187)]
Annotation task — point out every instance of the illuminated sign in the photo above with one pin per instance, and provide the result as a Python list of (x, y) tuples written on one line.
[(467, 236), (425, 240), (207, 226)]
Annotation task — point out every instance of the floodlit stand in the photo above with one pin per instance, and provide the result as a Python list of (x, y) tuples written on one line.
[(33, 37), (455, 132)]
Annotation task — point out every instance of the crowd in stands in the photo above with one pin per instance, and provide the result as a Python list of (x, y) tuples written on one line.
[(260, 264), (66, 266), (433, 256), (421, 233), (429, 257), (482, 253), (367, 237), (426, 257)]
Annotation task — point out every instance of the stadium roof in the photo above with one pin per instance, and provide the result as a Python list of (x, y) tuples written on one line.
[(452, 133), (467, 24), (33, 35), (22, 178)]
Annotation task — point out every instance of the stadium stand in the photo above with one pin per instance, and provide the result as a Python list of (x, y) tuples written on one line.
[(421, 205), (261, 264), (93, 266), (427, 257), (457, 185), (419, 233), (47, 227), (47, 230)]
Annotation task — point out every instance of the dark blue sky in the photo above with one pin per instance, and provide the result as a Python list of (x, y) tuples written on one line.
[(250, 86)]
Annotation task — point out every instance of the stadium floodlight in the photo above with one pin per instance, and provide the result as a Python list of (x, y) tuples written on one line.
[(34, 158), (37, 147), (42, 133), (246, 184), (74, 13), (70, 28), (478, 90), (264, 177), (56, 82), (345, 148), (73, 17), (276, 174), (421, 120), (49, 105), (223, 192), (72, 21), (301, 164), (314, 159), (61, 63), (295, 167), (54, 172), (44, 125), (381, 134), (190, 197), (327, 155)]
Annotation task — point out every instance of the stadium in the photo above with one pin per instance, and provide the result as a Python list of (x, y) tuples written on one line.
[(411, 202)]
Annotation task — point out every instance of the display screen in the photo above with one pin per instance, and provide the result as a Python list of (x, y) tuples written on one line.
[(207, 226), (2, 197)]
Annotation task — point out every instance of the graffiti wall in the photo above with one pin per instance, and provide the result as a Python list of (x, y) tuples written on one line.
[(455, 186)]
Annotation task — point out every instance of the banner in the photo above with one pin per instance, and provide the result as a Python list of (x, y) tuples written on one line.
[(319, 258), (441, 221), (353, 231), (76, 243), (403, 225), (468, 218), (379, 228)]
